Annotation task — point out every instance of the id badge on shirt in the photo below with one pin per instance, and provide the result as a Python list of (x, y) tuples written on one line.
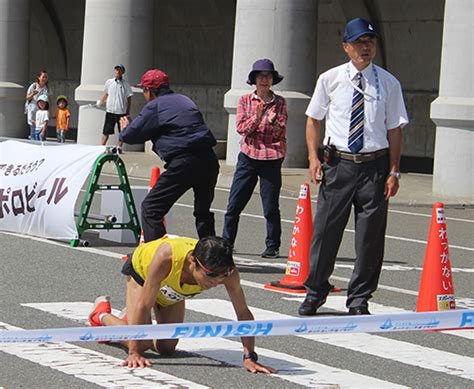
[(374, 108)]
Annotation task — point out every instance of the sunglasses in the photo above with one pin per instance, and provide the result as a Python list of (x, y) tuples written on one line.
[(213, 274)]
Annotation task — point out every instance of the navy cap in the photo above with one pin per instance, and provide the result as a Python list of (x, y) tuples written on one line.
[(121, 67), (356, 28), (263, 65)]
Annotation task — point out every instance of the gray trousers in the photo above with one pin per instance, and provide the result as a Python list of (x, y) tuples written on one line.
[(344, 184)]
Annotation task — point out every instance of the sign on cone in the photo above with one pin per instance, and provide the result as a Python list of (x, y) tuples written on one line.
[(436, 288), (297, 267)]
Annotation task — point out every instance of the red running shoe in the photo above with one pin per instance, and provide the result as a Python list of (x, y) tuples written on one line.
[(101, 305)]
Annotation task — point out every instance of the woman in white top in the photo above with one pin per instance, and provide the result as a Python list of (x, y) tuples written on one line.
[(36, 89)]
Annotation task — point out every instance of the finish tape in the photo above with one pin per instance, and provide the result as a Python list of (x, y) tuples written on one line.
[(416, 321)]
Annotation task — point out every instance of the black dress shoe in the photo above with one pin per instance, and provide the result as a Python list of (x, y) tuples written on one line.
[(359, 311), (310, 305)]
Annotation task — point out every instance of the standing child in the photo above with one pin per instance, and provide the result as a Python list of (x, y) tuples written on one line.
[(62, 116), (41, 118)]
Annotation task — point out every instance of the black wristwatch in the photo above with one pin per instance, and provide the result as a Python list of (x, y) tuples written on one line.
[(251, 355)]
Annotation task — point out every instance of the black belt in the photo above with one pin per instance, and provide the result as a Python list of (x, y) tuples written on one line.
[(359, 158)]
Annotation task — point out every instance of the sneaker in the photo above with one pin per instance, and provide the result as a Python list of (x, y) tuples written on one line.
[(123, 314), (101, 305), (270, 252), (119, 150)]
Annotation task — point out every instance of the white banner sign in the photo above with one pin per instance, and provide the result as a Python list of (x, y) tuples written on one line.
[(396, 322), (39, 186)]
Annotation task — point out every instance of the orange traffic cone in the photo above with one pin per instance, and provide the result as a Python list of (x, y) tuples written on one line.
[(297, 267), (155, 175), (436, 288)]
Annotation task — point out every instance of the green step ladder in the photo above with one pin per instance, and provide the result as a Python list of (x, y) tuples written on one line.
[(108, 224)]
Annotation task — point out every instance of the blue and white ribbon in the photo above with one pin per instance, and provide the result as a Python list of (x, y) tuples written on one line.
[(416, 321)]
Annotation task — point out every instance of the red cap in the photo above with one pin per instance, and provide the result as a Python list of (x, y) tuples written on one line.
[(154, 79)]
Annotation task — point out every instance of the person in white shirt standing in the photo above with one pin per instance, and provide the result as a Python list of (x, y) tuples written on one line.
[(118, 99), (365, 113)]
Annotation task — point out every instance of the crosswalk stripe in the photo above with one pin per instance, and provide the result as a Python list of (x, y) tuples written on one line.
[(91, 366), (462, 302), (338, 303), (400, 351), (293, 369)]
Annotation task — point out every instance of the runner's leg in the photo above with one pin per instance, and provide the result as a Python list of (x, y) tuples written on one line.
[(133, 292), (170, 314)]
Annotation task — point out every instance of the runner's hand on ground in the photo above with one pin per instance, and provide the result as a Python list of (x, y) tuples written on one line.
[(136, 360)]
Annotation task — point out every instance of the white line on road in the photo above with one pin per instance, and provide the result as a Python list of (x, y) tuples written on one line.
[(111, 254), (461, 302), (338, 303), (391, 349), (424, 242), (292, 369), (250, 262), (451, 246), (429, 216), (91, 366), (222, 189)]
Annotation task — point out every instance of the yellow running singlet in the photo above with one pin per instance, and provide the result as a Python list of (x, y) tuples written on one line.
[(171, 289)]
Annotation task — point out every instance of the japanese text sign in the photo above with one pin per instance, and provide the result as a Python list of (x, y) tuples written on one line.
[(39, 185)]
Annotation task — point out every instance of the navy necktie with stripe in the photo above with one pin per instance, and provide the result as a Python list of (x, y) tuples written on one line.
[(356, 130)]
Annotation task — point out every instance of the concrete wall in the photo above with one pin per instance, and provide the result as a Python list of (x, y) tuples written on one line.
[(193, 42), (56, 32)]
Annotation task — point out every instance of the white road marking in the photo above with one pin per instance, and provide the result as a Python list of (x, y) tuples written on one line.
[(395, 350), (291, 198), (91, 366), (112, 254), (461, 302), (393, 237), (429, 216), (292, 369), (338, 303), (252, 262)]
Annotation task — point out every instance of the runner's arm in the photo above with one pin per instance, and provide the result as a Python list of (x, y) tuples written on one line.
[(237, 297), (159, 269)]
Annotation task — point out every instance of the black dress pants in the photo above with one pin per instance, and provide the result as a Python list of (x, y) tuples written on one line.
[(346, 184), (197, 170)]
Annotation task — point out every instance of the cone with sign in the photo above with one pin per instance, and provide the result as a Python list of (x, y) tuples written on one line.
[(297, 267), (436, 288)]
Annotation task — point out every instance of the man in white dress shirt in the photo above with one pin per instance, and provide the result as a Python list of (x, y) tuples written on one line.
[(365, 113)]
